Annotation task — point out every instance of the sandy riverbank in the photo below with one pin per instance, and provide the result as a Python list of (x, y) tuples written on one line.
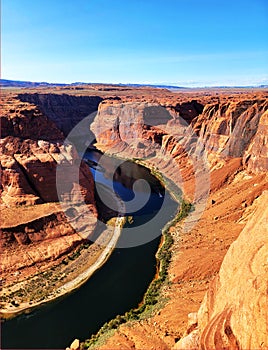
[(9, 310)]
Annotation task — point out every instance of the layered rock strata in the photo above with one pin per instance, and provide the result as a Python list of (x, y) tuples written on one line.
[(32, 146), (213, 147), (234, 311), (233, 135)]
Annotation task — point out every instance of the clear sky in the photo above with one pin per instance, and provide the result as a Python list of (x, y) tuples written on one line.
[(182, 42)]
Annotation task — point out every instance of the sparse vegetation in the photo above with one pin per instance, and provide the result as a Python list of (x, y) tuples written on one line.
[(111, 222), (43, 284), (76, 253), (130, 220)]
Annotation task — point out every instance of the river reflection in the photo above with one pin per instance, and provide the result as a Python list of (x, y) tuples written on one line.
[(121, 175)]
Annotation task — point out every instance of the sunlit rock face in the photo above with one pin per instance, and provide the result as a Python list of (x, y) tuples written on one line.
[(172, 133), (236, 129), (236, 302), (32, 146), (226, 130), (233, 314)]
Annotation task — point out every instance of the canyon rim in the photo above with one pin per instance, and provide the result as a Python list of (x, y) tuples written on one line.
[(207, 147)]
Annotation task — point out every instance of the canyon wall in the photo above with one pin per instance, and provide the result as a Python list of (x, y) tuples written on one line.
[(228, 135), (32, 146), (66, 111), (232, 134), (224, 130), (234, 313), (214, 148)]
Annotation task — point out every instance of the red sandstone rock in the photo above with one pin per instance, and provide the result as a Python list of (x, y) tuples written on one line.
[(255, 156), (226, 130), (233, 129), (64, 110), (31, 149), (233, 314), (234, 134), (16, 189)]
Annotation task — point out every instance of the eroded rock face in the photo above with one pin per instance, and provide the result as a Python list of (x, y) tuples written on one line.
[(225, 130), (234, 134), (29, 171), (228, 130), (233, 314), (53, 228), (255, 156), (26, 121), (64, 110), (189, 110), (32, 147), (136, 126), (15, 187)]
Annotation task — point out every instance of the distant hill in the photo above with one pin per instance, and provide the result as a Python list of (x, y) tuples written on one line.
[(26, 84), (30, 84)]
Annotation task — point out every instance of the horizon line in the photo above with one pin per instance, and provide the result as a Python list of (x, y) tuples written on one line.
[(171, 85)]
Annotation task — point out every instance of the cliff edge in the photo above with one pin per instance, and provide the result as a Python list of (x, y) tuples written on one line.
[(233, 133), (234, 312)]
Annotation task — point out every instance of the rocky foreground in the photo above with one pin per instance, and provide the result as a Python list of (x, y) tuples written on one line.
[(212, 144)]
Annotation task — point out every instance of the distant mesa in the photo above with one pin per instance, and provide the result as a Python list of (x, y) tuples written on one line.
[(29, 84)]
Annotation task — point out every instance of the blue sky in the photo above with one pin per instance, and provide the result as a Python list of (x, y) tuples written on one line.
[(182, 42)]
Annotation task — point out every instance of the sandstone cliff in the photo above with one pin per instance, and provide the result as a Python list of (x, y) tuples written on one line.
[(232, 132), (236, 129), (224, 136), (213, 147), (64, 110), (31, 148), (237, 300), (234, 312)]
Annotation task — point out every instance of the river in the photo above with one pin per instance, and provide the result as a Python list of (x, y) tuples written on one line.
[(114, 289)]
